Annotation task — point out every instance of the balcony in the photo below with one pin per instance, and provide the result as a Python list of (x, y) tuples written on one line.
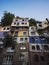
[(46, 34), (18, 24), (10, 50)]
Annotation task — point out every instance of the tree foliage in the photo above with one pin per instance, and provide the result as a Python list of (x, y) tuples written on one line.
[(8, 41), (32, 22), (7, 18)]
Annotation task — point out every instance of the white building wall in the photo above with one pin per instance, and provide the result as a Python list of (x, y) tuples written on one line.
[(23, 41)]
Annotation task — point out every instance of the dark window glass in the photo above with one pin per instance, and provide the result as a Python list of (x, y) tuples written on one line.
[(42, 58), (21, 39), (33, 47), (14, 23), (46, 47), (22, 23), (33, 40), (48, 55), (32, 33), (23, 20), (17, 23), (40, 25), (36, 58), (7, 28), (4, 28), (37, 46), (24, 33)]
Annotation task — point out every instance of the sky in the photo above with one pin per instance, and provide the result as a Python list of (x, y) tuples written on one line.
[(37, 9)]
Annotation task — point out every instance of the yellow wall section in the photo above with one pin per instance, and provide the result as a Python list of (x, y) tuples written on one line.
[(20, 33)]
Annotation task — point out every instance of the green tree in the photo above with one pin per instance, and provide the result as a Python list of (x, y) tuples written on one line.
[(8, 41), (32, 22), (7, 18)]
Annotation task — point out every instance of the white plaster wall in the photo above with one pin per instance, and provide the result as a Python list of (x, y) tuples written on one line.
[(24, 41)]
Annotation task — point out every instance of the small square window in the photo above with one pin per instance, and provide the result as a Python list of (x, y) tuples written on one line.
[(23, 20), (22, 47), (14, 23), (32, 33), (21, 58), (22, 23), (25, 23), (26, 38), (24, 33), (42, 58), (21, 39), (33, 40), (46, 47), (33, 47), (32, 28), (37, 46), (4, 28), (36, 58), (7, 28), (17, 23), (40, 25)]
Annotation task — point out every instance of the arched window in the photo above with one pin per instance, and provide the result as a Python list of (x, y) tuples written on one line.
[(33, 47), (42, 58), (33, 40), (37, 46), (36, 57)]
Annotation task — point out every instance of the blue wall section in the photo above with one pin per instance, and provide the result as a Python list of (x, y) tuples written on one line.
[(34, 39), (37, 39), (43, 40)]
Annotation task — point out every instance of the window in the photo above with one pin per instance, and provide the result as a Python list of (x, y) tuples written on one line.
[(46, 47), (36, 58), (21, 58), (33, 40), (14, 23), (0, 39), (32, 33), (40, 25), (5, 33), (32, 28), (26, 39), (45, 33), (21, 39), (7, 60), (17, 23), (16, 33), (47, 40), (48, 55), (33, 47), (7, 28), (12, 47), (24, 33), (22, 47), (22, 23), (23, 20), (42, 58), (37, 46), (4, 28), (42, 39)]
